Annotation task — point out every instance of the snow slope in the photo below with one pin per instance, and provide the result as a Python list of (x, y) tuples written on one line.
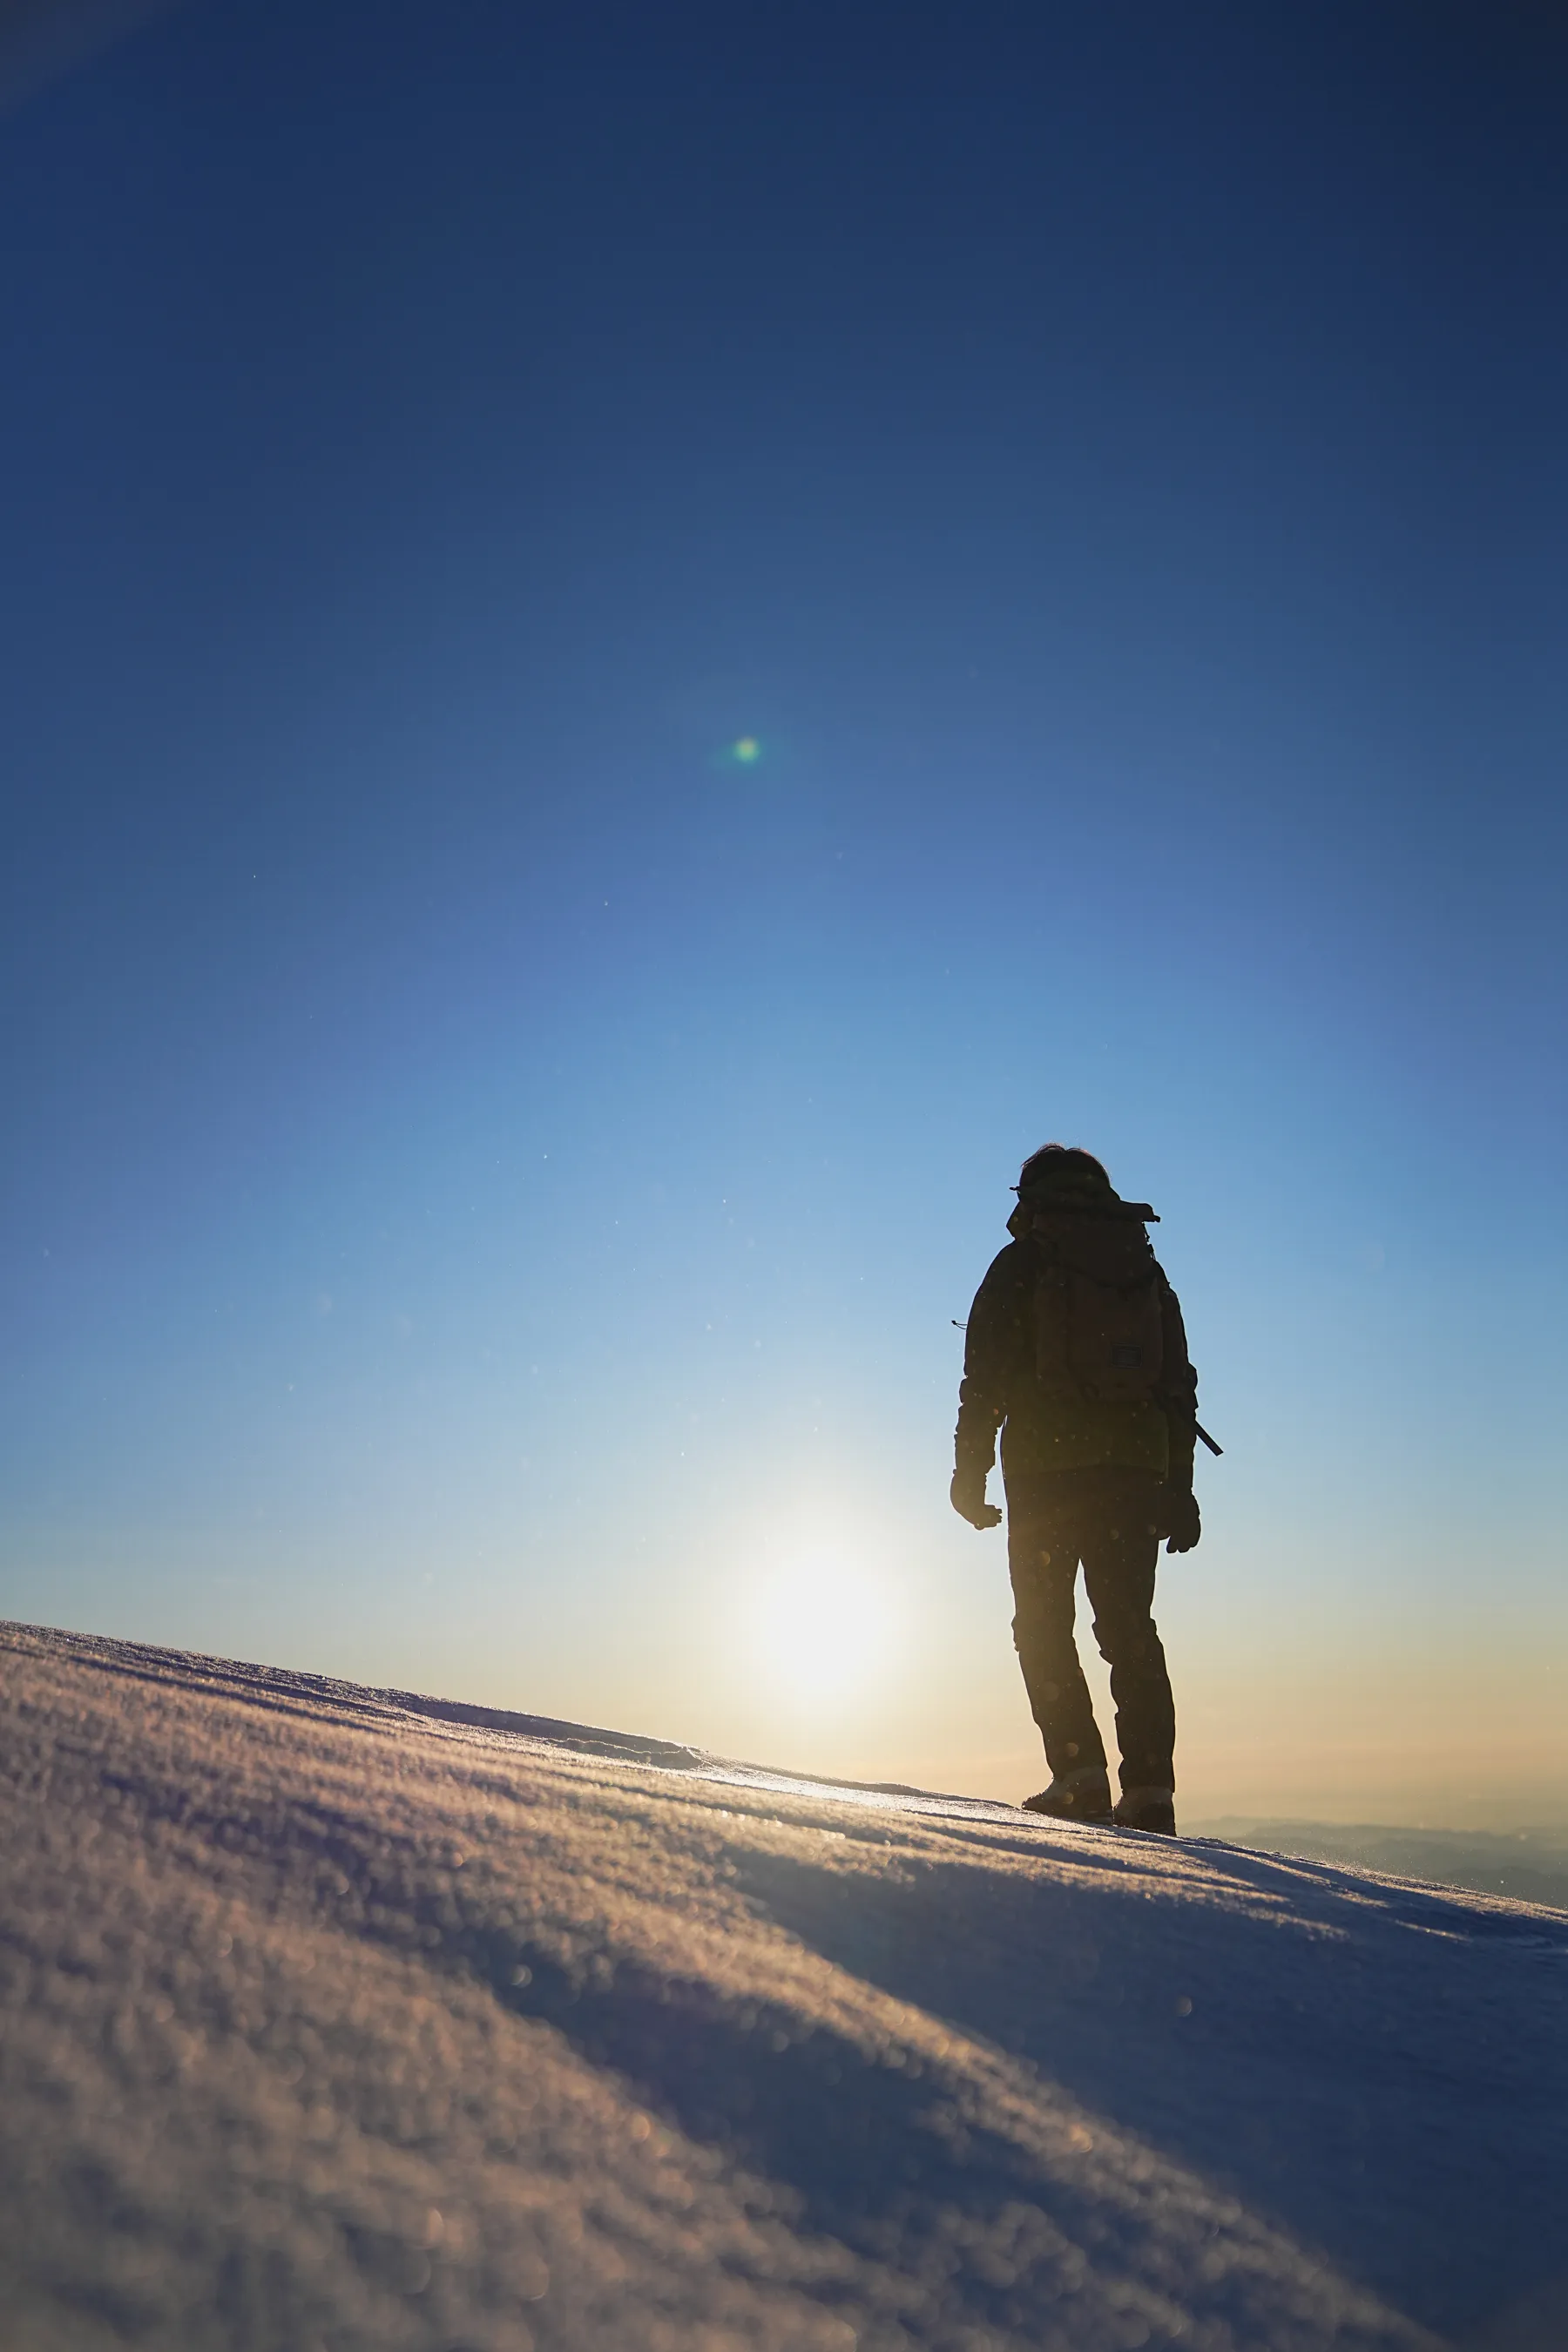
[(335, 2018), (1530, 1863)]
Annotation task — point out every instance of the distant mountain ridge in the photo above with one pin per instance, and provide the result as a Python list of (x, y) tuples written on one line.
[(1529, 1865)]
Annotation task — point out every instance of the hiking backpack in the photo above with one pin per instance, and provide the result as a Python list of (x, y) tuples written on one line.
[(1099, 1303)]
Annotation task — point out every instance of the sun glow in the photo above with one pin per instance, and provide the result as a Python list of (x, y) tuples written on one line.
[(821, 1628)]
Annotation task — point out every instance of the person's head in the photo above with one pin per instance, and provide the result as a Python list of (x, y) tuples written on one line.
[(1061, 1168)]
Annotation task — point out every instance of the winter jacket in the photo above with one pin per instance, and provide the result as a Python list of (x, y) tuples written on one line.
[(1043, 1430)]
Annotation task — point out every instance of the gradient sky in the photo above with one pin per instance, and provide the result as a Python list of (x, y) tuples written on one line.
[(492, 1167)]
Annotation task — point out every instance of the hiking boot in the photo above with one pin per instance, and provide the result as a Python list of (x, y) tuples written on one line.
[(1080, 1796), (1151, 1810)]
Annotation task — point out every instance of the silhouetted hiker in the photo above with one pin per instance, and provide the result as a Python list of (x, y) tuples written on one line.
[(1075, 1353)]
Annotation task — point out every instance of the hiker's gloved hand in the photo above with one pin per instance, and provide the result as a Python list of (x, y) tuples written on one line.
[(1182, 1525), (969, 1496)]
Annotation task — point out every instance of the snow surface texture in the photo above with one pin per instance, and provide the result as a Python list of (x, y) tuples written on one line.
[(341, 2020)]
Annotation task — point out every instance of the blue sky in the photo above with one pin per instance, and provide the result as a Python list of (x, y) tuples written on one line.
[(492, 1172)]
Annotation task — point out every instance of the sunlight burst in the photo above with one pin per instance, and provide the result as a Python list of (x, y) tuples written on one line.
[(821, 1628)]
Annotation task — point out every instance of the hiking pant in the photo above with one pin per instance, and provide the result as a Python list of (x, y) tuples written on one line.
[(1052, 1525)]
